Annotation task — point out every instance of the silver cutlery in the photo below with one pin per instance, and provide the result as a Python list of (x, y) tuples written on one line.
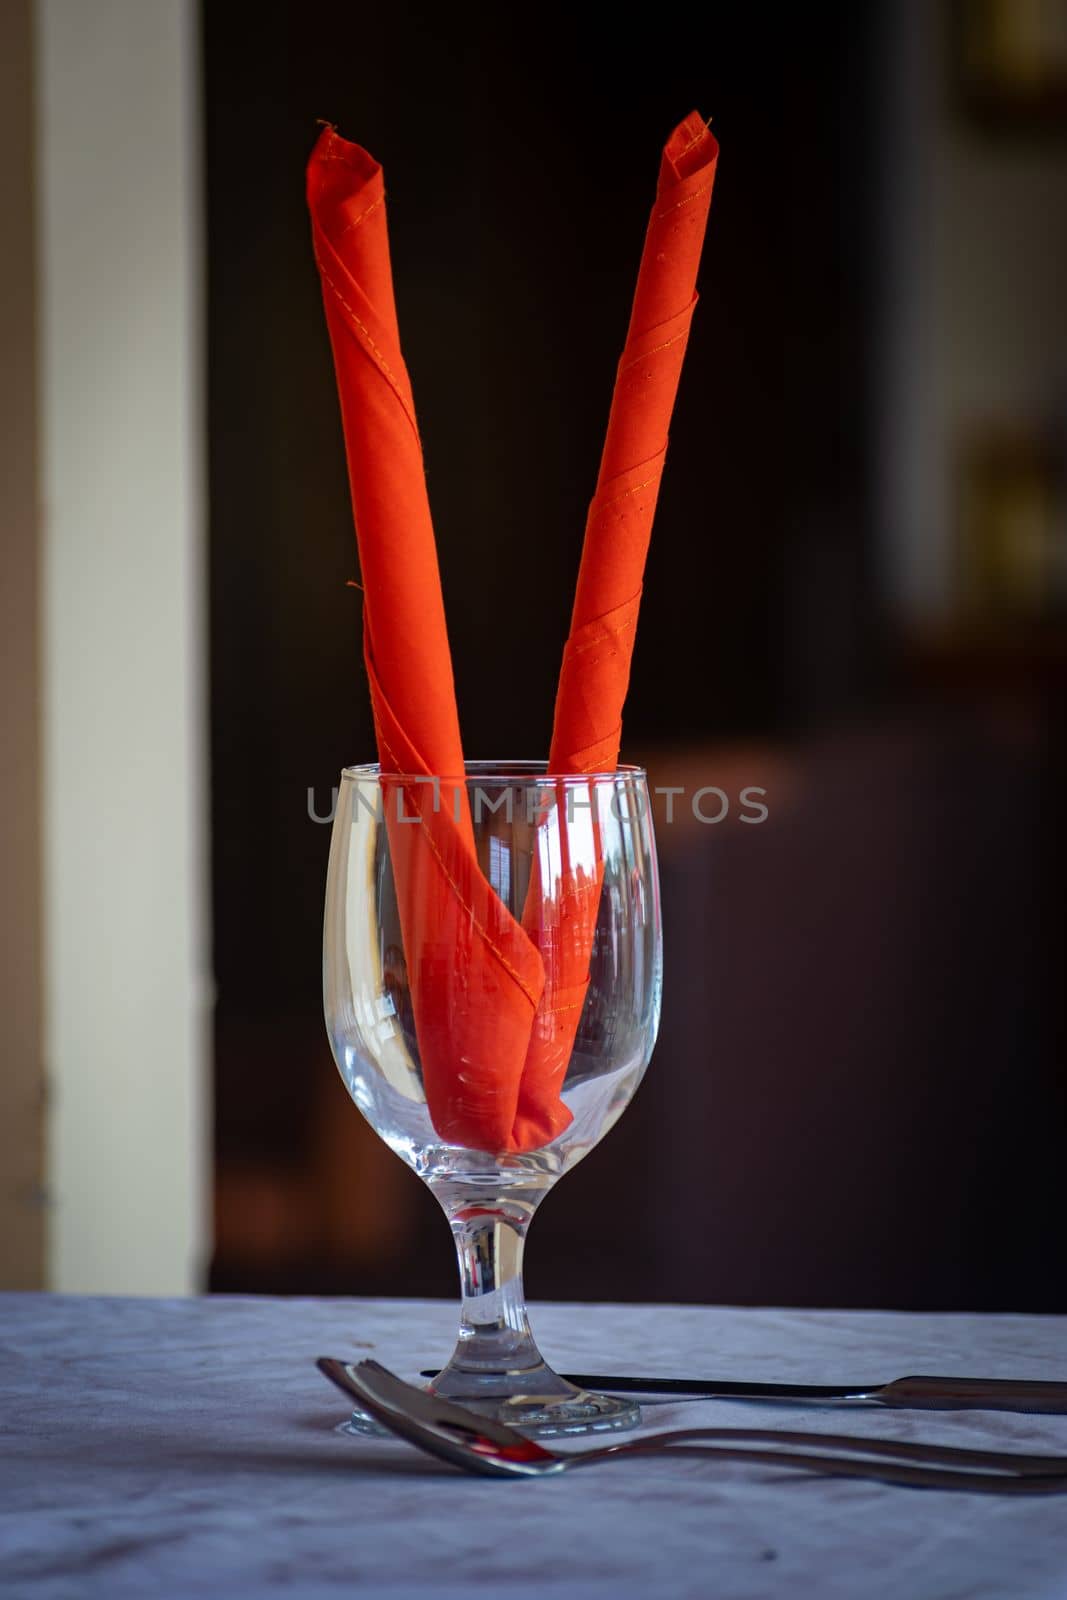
[(492, 1449), (916, 1393)]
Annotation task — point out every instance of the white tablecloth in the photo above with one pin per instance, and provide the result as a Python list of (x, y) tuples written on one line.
[(185, 1448)]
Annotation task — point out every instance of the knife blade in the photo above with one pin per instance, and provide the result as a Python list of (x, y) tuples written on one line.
[(920, 1392)]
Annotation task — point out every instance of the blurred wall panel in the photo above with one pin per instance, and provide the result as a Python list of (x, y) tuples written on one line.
[(120, 240), (973, 253), (21, 1216)]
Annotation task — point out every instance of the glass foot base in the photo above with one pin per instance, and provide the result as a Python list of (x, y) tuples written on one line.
[(564, 1411)]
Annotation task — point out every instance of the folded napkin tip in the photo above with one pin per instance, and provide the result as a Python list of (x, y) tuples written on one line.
[(692, 146), (336, 166)]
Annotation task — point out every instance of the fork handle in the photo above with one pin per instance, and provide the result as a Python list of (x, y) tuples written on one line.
[(896, 1472), (962, 1394), (1016, 1462)]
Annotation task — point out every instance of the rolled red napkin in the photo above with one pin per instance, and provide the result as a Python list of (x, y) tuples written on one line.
[(475, 977), (478, 978), (595, 673), (596, 660), (405, 637)]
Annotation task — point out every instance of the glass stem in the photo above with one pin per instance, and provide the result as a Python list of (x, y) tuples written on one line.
[(494, 1330)]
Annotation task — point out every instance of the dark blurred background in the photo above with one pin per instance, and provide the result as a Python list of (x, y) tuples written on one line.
[(856, 599)]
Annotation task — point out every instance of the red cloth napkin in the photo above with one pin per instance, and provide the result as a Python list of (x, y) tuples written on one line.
[(475, 977), (596, 659), (494, 1037)]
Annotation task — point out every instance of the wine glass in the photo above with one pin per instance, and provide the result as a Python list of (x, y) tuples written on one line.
[(567, 868)]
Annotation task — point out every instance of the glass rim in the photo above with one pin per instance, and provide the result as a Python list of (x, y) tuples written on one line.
[(523, 771)]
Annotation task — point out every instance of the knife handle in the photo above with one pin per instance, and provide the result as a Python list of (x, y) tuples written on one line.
[(975, 1394)]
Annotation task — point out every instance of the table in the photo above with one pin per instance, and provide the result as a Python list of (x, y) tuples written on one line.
[(158, 1448)]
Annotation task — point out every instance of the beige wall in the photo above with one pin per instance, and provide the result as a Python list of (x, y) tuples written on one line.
[(104, 960), (21, 1073), (127, 995)]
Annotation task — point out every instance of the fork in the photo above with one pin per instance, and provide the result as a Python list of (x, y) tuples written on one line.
[(493, 1449)]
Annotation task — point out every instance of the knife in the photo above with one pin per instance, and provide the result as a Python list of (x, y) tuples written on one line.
[(919, 1393)]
